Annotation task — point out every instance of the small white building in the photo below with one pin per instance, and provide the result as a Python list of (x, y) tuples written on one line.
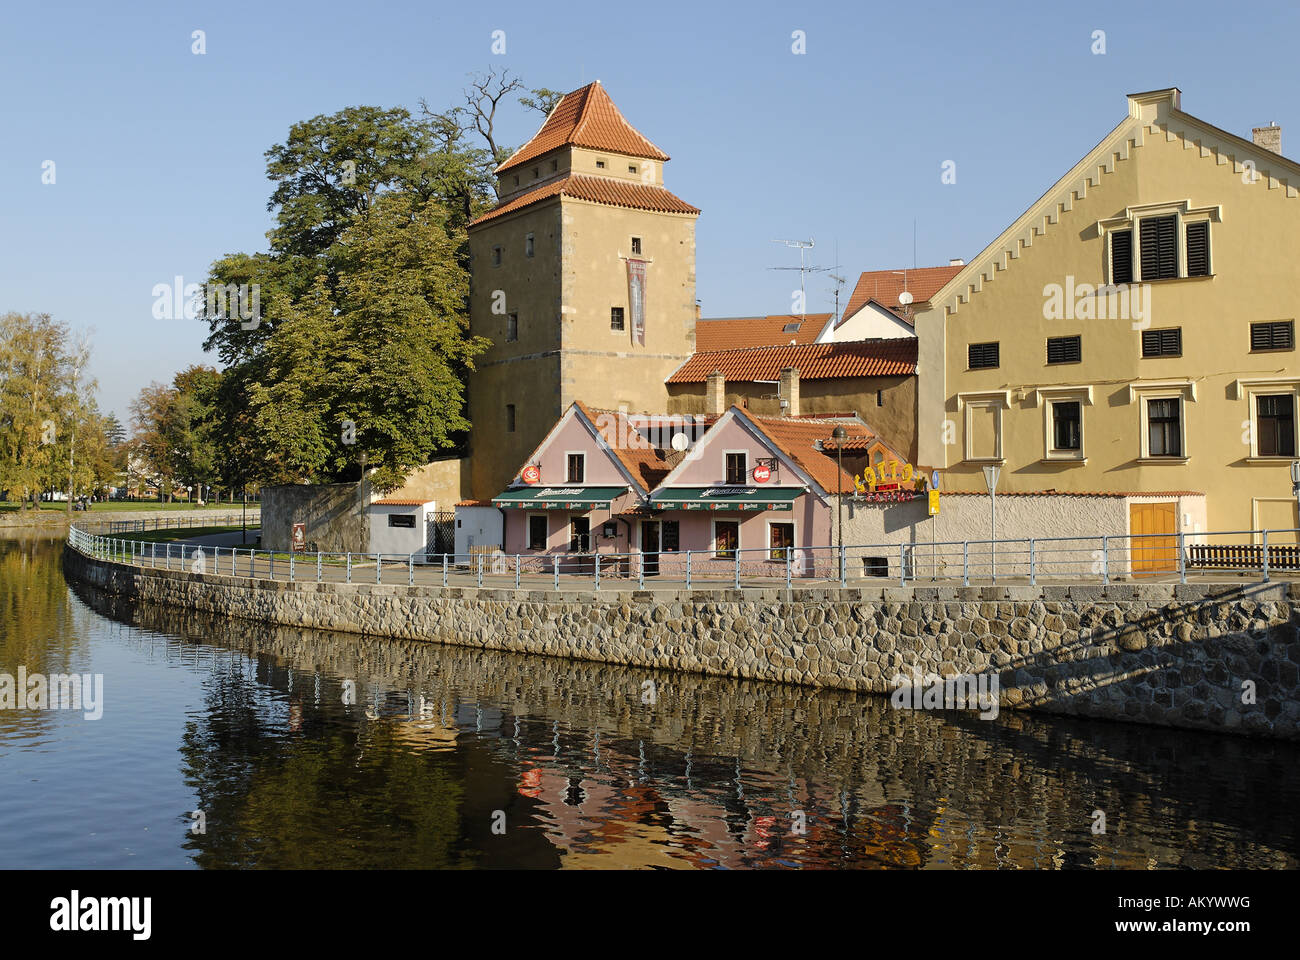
[(480, 528), (400, 526)]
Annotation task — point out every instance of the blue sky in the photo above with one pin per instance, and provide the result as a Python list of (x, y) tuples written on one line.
[(159, 163)]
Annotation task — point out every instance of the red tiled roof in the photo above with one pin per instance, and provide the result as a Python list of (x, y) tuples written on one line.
[(729, 333), (814, 361), (474, 503), (617, 193), (398, 502), (1076, 493), (795, 437), (644, 463), (586, 117), (884, 286)]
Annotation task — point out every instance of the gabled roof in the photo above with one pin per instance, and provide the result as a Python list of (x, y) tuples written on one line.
[(895, 312), (1155, 113), (645, 465), (815, 361), (617, 193), (726, 333), (588, 118), (884, 286)]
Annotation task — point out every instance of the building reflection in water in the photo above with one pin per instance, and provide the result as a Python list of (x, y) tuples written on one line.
[(716, 773)]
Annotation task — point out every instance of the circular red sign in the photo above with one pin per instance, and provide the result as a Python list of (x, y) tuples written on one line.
[(762, 473), (531, 475)]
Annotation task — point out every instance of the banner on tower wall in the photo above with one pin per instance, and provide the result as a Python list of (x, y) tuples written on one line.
[(636, 299)]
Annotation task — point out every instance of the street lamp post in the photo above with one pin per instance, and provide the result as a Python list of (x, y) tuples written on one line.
[(838, 435)]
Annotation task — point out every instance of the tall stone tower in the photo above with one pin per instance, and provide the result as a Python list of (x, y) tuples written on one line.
[(583, 278)]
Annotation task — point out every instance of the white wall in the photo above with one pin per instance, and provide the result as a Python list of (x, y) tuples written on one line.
[(401, 540), (870, 321), (478, 527)]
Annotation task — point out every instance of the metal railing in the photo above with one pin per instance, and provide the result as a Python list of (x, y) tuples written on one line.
[(1102, 559), (109, 526)]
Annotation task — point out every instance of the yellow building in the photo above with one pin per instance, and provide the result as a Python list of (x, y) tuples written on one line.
[(583, 278), (1132, 331)]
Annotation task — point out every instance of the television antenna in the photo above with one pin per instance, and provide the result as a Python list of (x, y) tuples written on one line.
[(803, 268)]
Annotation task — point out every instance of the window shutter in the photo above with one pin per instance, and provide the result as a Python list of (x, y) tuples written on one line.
[(1159, 249), (1198, 249), (1121, 257), (1162, 343), (1064, 350), (1272, 336), (982, 355)]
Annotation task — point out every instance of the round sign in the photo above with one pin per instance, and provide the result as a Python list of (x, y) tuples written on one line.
[(531, 474), (762, 473)]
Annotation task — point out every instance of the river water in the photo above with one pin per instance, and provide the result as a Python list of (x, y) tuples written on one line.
[(303, 748)]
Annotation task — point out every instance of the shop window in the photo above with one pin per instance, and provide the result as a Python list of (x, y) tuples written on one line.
[(737, 468), (580, 535), (537, 532), (726, 539), (781, 540)]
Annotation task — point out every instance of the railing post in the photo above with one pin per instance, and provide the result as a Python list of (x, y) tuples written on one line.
[(379, 567), (688, 569), (153, 555), (787, 568), (1264, 562), (597, 569), (410, 570), (1182, 557), (516, 571), (965, 563), (480, 569), (349, 566), (640, 571), (737, 555), (319, 571), (844, 568), (1105, 560), (169, 555), (555, 568), (270, 556), (1032, 579), (444, 569), (291, 568)]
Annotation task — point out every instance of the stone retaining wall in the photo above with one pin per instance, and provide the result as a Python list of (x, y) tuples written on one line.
[(1220, 657)]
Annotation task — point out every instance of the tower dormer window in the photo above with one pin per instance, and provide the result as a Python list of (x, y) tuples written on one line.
[(636, 244), (496, 256), (555, 164), (516, 180), (600, 164), (631, 168), (529, 246), (536, 172)]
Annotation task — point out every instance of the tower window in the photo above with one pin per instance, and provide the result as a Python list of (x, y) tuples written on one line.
[(600, 164), (636, 244), (555, 164), (880, 398), (528, 245), (496, 256), (510, 418), (512, 327), (536, 172), (616, 318), (631, 168)]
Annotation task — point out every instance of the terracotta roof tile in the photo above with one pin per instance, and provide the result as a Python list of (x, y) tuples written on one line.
[(796, 438), (617, 193), (474, 503), (398, 502), (884, 286), (586, 117), (814, 361), (727, 333), (644, 463)]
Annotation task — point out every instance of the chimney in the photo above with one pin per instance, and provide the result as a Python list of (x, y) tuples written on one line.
[(956, 262), (789, 392), (715, 394), (1270, 138), (697, 310)]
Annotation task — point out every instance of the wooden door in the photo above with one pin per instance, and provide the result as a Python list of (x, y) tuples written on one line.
[(1154, 527)]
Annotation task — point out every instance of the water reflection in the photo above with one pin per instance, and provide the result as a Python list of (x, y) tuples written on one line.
[(714, 773), (310, 749)]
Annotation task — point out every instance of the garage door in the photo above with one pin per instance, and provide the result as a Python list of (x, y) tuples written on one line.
[(1154, 527)]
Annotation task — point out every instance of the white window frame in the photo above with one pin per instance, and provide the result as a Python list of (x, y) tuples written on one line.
[(794, 537), (1183, 213), (713, 536), (1045, 397), (1250, 390), (727, 453), (1145, 404), (575, 453), (997, 401)]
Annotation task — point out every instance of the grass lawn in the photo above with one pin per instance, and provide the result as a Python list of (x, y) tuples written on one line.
[(185, 533), (142, 506)]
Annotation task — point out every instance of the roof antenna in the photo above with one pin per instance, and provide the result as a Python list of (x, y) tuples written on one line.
[(803, 269)]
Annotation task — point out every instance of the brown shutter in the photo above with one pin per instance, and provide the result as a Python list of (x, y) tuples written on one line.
[(1159, 248), (1198, 249), (1121, 257)]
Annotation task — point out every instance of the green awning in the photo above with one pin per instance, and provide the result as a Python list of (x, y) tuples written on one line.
[(558, 498), (726, 498)]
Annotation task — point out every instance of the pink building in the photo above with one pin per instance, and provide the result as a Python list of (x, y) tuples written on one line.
[(645, 489)]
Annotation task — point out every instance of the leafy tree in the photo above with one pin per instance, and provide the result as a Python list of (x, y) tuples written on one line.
[(36, 378)]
